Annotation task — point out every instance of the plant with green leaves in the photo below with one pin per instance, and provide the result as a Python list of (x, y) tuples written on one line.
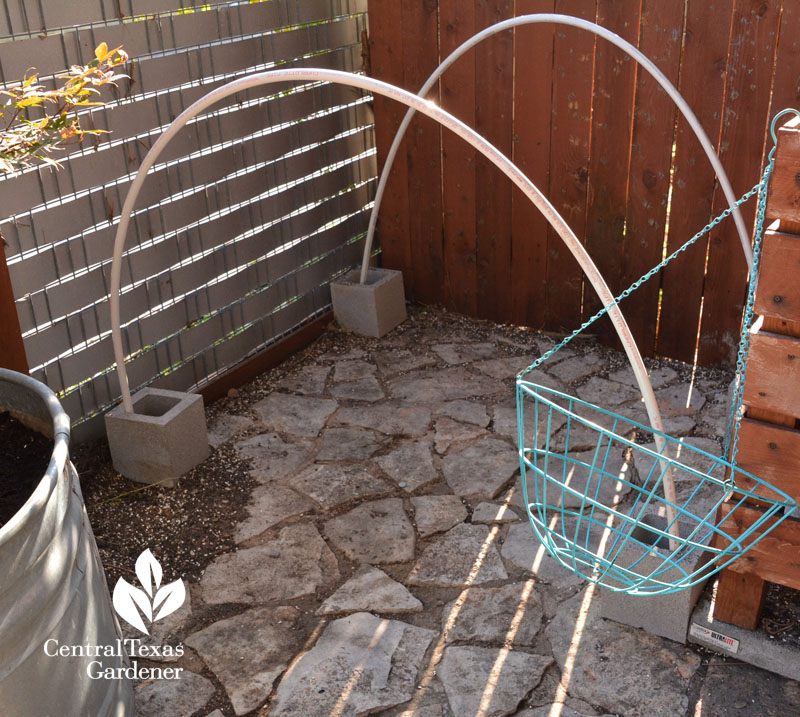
[(35, 121)]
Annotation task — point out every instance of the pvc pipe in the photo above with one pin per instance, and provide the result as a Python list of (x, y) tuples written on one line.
[(445, 119), (615, 39)]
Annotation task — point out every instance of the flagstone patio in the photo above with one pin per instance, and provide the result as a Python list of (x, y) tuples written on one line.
[(387, 567)]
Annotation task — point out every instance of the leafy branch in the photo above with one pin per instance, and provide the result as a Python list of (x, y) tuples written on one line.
[(35, 121)]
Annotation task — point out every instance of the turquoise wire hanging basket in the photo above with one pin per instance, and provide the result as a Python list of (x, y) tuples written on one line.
[(602, 513)]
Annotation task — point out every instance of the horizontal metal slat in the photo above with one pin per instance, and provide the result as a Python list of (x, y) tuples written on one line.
[(153, 328), (63, 259), (32, 189)]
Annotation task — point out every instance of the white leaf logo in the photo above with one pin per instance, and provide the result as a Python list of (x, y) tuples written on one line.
[(127, 598), (172, 595), (147, 565)]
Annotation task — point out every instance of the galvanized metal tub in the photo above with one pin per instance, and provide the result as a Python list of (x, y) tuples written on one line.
[(52, 586)]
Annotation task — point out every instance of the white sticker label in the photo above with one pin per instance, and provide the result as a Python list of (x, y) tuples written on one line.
[(712, 637)]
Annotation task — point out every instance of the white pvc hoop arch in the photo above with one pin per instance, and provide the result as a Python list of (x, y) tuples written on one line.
[(445, 119), (625, 46)]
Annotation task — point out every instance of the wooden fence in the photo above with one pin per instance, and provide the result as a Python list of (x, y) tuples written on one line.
[(257, 204), (605, 144)]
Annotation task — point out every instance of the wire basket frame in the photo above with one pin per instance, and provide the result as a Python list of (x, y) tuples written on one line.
[(601, 511)]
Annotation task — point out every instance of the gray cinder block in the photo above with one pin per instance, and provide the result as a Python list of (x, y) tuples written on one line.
[(373, 308), (162, 439), (664, 615), (752, 646)]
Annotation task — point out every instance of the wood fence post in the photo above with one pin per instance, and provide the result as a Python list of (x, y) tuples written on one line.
[(12, 350), (769, 439)]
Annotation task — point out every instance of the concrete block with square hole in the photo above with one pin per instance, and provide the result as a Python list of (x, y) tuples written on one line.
[(373, 308), (164, 438), (664, 615)]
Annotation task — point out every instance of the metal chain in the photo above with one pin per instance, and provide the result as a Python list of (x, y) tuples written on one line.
[(658, 267)]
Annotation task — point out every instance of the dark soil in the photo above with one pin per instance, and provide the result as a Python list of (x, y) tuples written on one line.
[(781, 616), (24, 456), (185, 527)]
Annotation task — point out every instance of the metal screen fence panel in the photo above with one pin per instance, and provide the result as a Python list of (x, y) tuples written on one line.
[(248, 215)]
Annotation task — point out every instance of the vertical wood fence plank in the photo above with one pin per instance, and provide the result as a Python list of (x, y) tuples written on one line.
[(533, 86), (651, 156), (424, 161), (612, 118), (786, 84), (573, 56), (748, 85), (456, 25), (386, 59), (494, 74), (702, 85)]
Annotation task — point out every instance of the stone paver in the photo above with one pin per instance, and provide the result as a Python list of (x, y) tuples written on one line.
[(166, 631), (482, 469), (269, 505), (348, 444), (377, 532), (505, 368), (332, 484), (511, 614), (562, 711), (359, 665), (464, 353), (659, 377), (365, 389), (183, 696), (390, 363), (352, 353), (298, 415), (713, 418), (618, 668), (577, 367), (601, 474), (604, 393), (673, 425), (248, 652), (226, 426), (488, 513), (293, 565), (465, 411), (388, 418), (437, 513), (272, 457), (410, 465), (309, 380), (353, 370), (464, 554), (370, 590), (489, 681), (443, 385), (545, 344), (706, 497), (523, 550), (680, 399), (449, 432), (505, 422)]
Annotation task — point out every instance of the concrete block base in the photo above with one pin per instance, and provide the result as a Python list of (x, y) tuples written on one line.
[(663, 615), (162, 439), (751, 646), (373, 308)]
